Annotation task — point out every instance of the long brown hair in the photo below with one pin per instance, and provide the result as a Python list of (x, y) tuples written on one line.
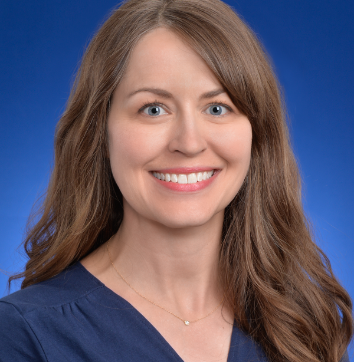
[(279, 282)]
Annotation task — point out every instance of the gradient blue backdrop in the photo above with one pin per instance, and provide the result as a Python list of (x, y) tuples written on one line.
[(309, 41)]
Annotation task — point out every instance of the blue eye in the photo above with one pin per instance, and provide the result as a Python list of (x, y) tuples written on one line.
[(217, 109), (153, 109)]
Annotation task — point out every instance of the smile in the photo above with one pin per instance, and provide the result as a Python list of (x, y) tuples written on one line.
[(186, 179), (190, 178)]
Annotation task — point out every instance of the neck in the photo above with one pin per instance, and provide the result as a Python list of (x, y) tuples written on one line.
[(178, 265)]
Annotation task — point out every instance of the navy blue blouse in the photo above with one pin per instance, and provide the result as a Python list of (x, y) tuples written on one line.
[(75, 317)]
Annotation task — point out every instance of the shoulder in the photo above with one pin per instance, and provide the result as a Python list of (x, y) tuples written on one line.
[(71, 284), (17, 340), (19, 312)]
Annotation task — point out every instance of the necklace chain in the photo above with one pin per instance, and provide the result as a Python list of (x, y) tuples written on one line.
[(186, 322)]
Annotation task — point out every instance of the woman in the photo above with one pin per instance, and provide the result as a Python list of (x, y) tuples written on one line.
[(173, 227)]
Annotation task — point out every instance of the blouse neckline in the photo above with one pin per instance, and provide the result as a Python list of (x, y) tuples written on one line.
[(144, 320)]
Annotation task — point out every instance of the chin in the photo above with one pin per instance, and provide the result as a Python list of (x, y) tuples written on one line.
[(185, 220)]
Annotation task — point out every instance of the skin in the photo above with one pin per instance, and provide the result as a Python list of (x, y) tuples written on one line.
[(167, 246)]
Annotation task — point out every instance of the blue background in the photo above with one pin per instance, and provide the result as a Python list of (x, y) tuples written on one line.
[(311, 44)]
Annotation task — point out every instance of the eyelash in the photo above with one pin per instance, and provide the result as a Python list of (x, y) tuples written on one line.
[(156, 103)]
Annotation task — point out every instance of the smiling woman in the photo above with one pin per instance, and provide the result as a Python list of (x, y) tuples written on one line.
[(173, 227)]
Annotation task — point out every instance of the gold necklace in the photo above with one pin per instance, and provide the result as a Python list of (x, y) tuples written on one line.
[(186, 322)]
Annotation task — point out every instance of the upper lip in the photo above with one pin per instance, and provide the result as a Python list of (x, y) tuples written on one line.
[(182, 170)]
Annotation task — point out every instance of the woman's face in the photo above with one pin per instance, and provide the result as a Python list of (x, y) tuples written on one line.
[(191, 130)]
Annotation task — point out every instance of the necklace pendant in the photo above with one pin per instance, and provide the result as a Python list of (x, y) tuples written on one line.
[(186, 323)]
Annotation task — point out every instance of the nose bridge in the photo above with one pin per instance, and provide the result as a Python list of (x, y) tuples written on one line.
[(188, 137)]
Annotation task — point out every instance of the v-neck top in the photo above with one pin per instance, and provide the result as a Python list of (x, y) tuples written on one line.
[(75, 317)]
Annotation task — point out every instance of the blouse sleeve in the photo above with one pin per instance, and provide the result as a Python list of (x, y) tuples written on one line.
[(18, 343)]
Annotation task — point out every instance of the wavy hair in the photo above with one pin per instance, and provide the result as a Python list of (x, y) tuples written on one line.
[(280, 284)]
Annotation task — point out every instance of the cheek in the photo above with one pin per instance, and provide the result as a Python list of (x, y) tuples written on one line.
[(133, 145), (124, 146), (128, 150), (234, 145)]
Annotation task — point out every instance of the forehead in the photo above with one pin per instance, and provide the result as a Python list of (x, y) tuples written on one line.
[(163, 57)]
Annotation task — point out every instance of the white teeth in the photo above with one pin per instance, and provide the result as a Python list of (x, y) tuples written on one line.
[(191, 178), (182, 179)]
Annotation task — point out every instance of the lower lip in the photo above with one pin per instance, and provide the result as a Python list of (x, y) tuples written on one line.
[(187, 187)]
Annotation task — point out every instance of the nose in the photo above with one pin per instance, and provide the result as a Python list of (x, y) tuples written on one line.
[(188, 136)]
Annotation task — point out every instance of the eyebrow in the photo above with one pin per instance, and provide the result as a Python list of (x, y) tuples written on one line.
[(164, 94)]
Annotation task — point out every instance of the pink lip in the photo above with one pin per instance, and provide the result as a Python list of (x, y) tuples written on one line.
[(184, 170), (187, 187)]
